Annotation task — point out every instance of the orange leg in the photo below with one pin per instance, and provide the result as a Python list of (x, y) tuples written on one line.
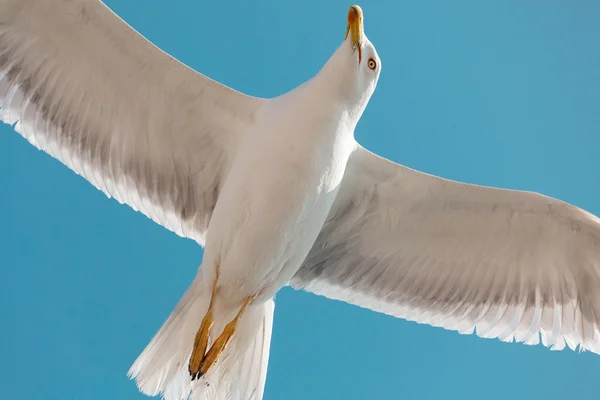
[(223, 340), (201, 340)]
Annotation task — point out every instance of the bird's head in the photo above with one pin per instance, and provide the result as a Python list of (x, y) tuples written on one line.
[(353, 70)]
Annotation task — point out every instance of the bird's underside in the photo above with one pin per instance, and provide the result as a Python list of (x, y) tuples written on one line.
[(80, 84)]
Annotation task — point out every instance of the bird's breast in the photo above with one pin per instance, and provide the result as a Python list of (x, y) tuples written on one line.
[(275, 200)]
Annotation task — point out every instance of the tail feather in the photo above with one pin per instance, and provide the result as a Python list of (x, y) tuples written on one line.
[(166, 352), (253, 368), (239, 374)]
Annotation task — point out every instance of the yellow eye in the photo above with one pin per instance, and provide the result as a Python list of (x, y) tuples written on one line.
[(372, 64)]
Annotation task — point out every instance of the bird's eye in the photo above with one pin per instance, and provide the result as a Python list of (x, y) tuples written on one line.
[(372, 64)]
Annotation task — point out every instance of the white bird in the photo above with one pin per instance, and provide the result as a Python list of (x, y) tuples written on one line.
[(279, 193)]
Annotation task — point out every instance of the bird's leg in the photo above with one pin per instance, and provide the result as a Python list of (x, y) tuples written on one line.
[(201, 340), (224, 338)]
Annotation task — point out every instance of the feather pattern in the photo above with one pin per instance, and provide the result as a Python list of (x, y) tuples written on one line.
[(80, 84), (505, 264)]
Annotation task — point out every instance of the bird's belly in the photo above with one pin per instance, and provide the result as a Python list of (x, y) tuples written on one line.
[(266, 220), (262, 235)]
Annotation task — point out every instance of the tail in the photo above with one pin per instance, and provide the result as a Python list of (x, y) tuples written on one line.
[(239, 374)]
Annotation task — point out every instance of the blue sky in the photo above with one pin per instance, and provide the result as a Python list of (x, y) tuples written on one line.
[(496, 93)]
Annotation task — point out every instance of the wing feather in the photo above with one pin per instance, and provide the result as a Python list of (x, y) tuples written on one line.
[(504, 264), (80, 84)]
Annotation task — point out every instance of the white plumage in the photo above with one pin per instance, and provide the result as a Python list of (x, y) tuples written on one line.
[(138, 124), (507, 264), (280, 193)]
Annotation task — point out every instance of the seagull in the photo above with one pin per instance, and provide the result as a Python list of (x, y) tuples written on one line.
[(279, 193)]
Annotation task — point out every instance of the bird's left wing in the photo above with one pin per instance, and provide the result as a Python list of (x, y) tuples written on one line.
[(507, 264), (83, 86)]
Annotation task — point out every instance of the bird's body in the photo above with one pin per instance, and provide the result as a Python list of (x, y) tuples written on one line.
[(268, 226), (280, 194)]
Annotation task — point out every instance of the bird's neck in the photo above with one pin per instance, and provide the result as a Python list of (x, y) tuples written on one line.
[(338, 82)]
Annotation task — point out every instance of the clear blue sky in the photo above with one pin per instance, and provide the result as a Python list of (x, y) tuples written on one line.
[(505, 93)]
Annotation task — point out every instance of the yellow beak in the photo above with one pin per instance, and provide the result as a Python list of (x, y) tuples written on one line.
[(355, 28)]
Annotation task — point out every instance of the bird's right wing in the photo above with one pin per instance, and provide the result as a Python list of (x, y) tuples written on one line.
[(506, 264), (83, 86)]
